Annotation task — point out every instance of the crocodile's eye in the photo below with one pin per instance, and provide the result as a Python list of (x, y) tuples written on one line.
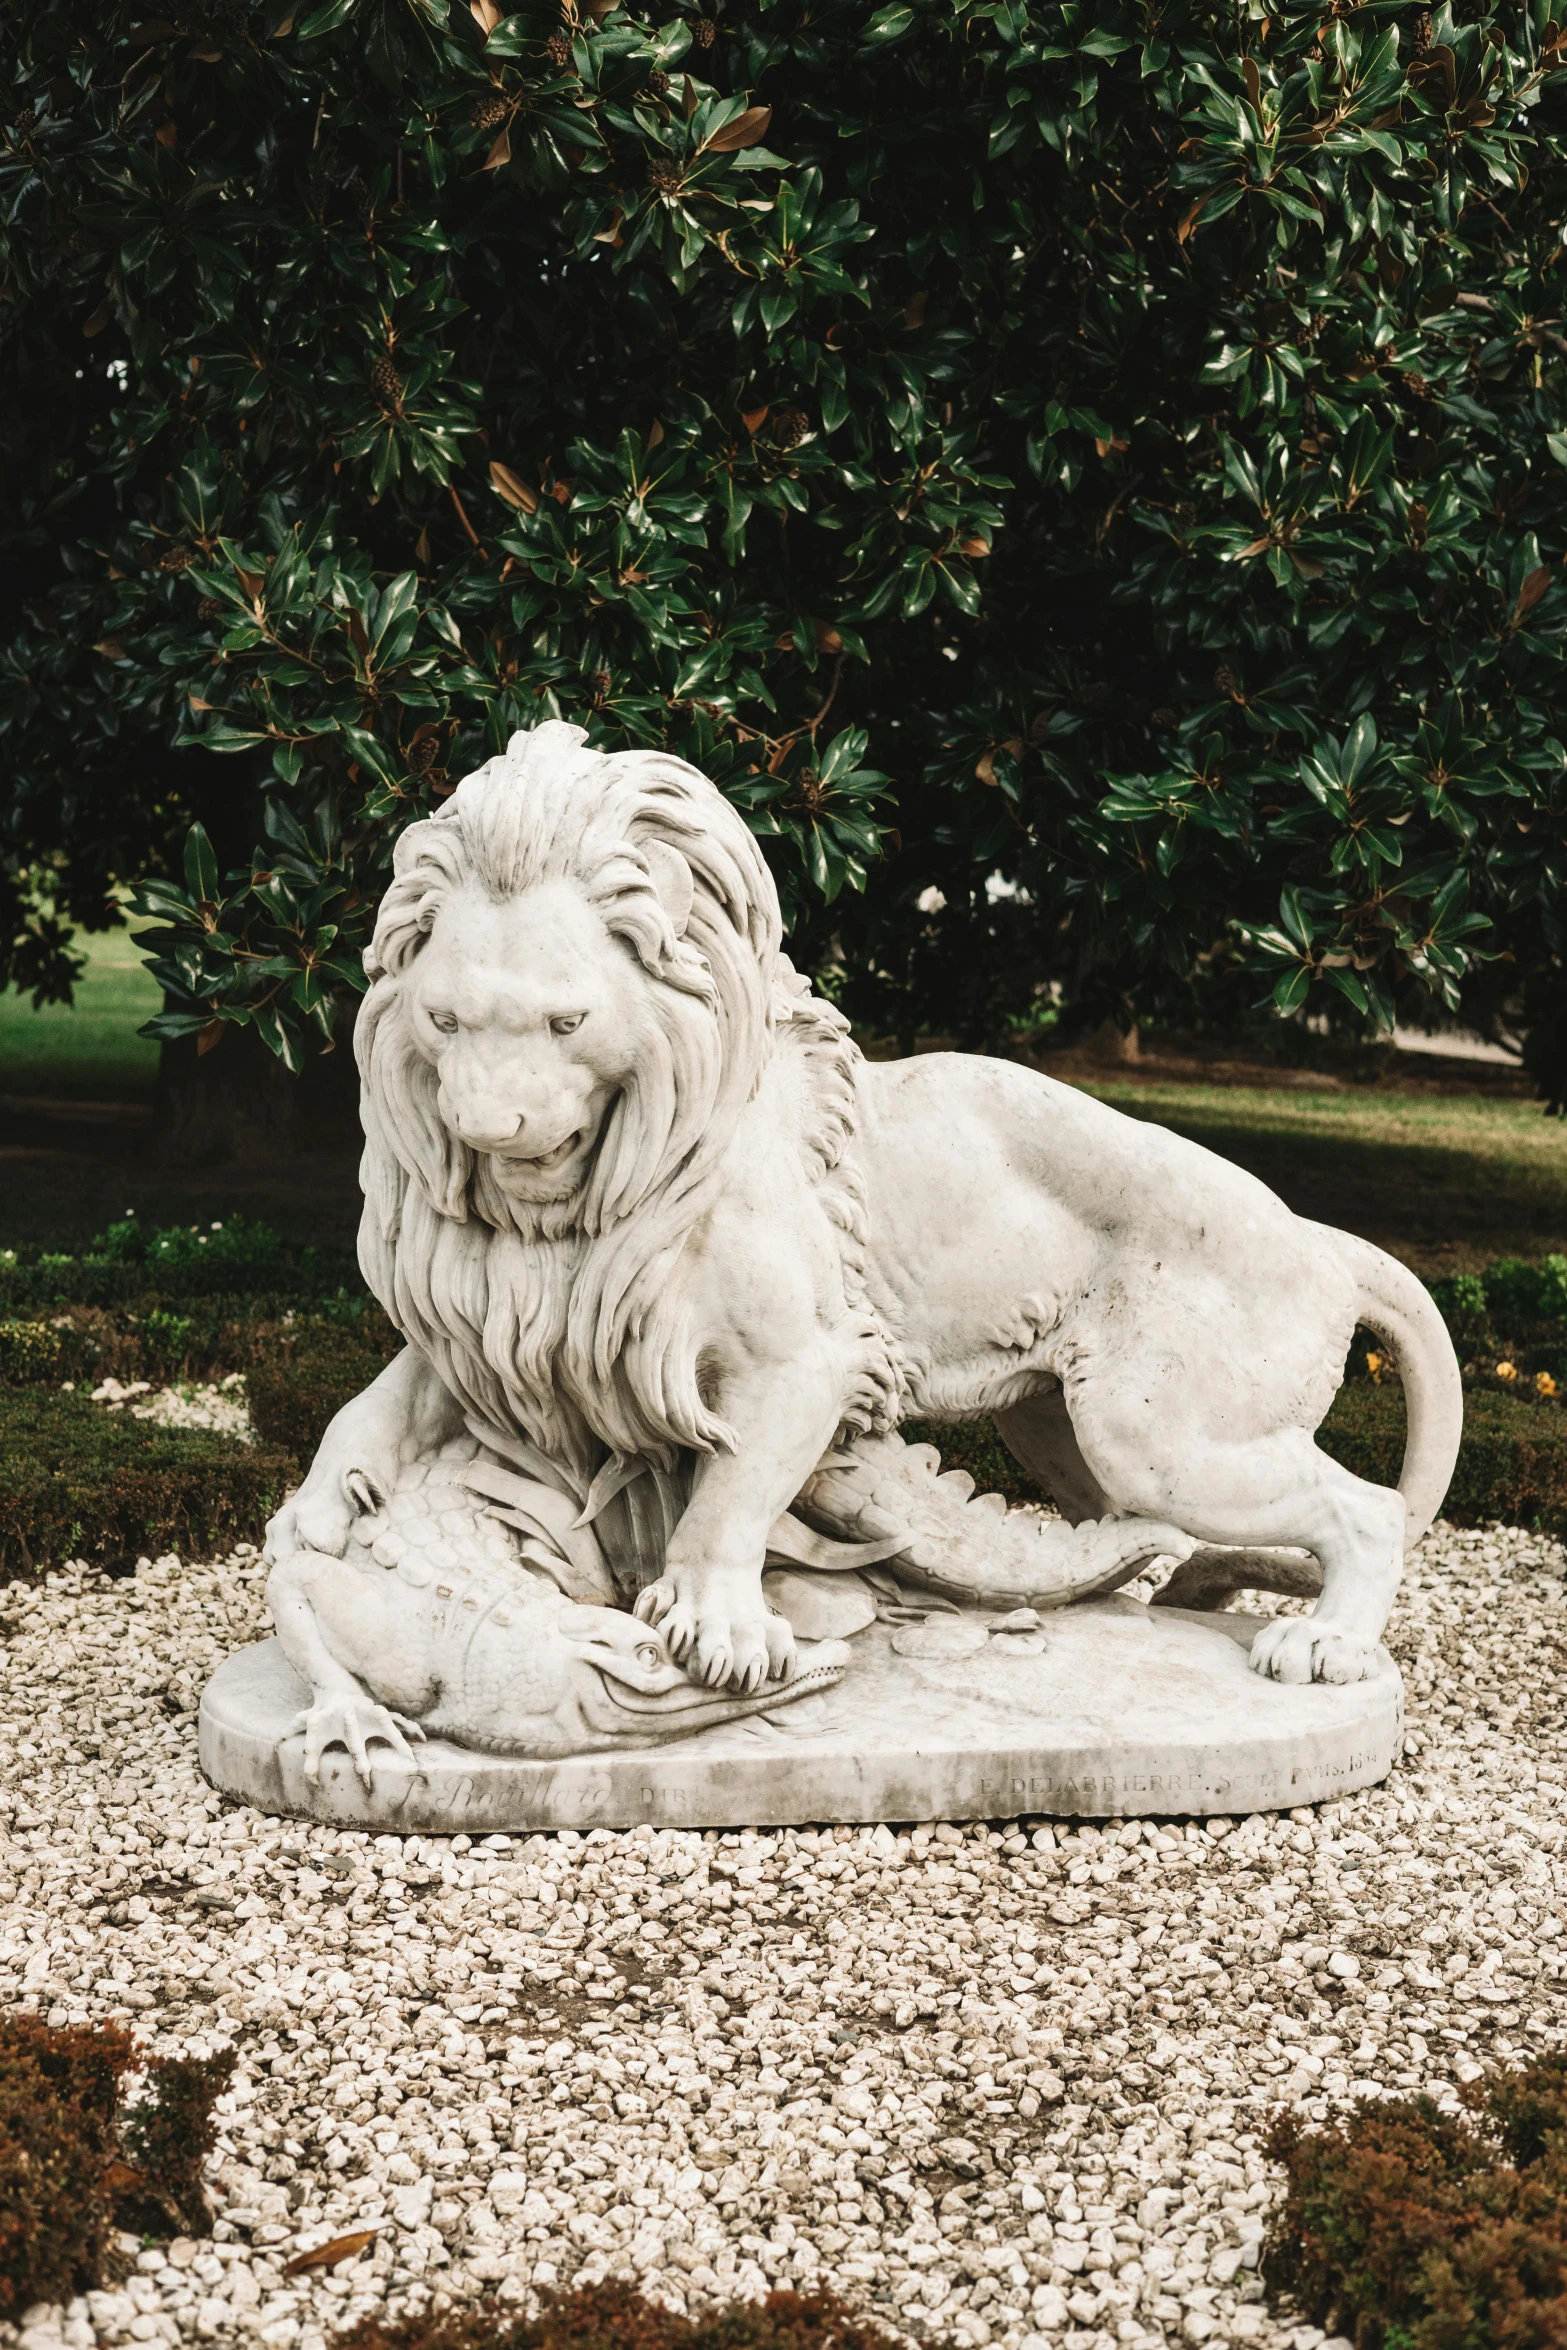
[(650, 1656)]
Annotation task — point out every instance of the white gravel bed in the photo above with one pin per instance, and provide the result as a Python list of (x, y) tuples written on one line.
[(220, 1404), (995, 2083)]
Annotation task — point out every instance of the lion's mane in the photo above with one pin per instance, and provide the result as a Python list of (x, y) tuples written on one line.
[(572, 1322)]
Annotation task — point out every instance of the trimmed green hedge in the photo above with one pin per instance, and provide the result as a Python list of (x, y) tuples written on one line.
[(190, 1303), (974, 1445), (1512, 1468), (77, 1481), (227, 1257), (295, 1389), (164, 1339), (1512, 1290)]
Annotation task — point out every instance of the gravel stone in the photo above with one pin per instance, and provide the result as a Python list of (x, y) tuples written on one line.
[(1001, 2082), (192, 1403)]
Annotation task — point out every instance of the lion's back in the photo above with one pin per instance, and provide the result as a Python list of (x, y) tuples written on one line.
[(965, 1146)]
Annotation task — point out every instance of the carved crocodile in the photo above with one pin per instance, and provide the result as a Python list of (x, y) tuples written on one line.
[(436, 1623), (487, 1603)]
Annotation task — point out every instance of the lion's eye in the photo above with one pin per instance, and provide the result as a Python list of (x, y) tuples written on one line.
[(650, 1656), (446, 1022), (567, 1024)]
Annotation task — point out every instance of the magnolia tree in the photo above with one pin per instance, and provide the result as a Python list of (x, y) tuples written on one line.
[(1088, 483)]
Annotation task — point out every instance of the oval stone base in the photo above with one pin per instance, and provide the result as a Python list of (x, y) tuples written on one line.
[(1113, 1710)]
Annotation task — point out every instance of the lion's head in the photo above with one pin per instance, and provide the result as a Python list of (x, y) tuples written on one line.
[(574, 957), (573, 988)]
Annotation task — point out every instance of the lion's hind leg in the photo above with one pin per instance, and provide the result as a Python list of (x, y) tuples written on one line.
[(1277, 1491), (1356, 1532)]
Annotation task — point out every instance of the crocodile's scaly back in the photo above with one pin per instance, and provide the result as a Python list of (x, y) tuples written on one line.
[(969, 1547), (433, 1531)]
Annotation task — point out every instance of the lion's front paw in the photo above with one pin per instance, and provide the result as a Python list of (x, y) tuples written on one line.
[(719, 1629), (1299, 1649), (353, 1722)]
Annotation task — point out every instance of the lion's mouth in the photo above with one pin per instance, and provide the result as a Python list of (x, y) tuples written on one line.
[(545, 1162)]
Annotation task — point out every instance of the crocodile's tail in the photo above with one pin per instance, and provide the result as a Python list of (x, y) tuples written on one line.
[(882, 1500)]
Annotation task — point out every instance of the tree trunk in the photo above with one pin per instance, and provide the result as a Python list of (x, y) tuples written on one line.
[(237, 1104), (1111, 1045)]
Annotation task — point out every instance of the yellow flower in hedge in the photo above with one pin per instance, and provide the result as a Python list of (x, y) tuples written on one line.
[(1374, 1365), (1544, 1384), (1507, 1370)]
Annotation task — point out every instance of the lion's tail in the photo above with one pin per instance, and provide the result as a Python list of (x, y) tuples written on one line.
[(1402, 1312)]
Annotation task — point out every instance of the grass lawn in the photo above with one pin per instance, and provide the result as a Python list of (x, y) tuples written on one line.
[(88, 1050), (1446, 1173), (1445, 1181)]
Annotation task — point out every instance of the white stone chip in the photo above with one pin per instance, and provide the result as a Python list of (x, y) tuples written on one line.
[(1004, 2084)]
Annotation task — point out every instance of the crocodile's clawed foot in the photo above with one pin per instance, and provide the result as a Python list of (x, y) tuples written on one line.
[(354, 1722)]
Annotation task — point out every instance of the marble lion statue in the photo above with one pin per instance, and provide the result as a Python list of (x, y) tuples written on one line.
[(676, 1262)]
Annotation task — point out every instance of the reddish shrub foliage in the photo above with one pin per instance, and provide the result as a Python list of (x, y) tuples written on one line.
[(615, 2317), (167, 2135), (58, 2094), (1408, 2227), (75, 2165)]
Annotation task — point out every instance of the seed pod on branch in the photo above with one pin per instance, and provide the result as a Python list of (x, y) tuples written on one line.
[(385, 381)]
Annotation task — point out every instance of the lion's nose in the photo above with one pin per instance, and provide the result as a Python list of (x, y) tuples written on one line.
[(483, 1125), (488, 1134)]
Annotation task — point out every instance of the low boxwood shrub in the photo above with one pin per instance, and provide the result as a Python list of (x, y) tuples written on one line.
[(1512, 1466), (195, 1338), (234, 1256), (77, 1481), (1406, 2226), (306, 1374), (1517, 1291), (974, 1445), (77, 2162), (29, 1352), (617, 2317), (1515, 1309), (1461, 1295), (308, 1352)]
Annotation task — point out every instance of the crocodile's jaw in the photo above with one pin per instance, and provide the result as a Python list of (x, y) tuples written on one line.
[(680, 1713), (589, 1701)]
